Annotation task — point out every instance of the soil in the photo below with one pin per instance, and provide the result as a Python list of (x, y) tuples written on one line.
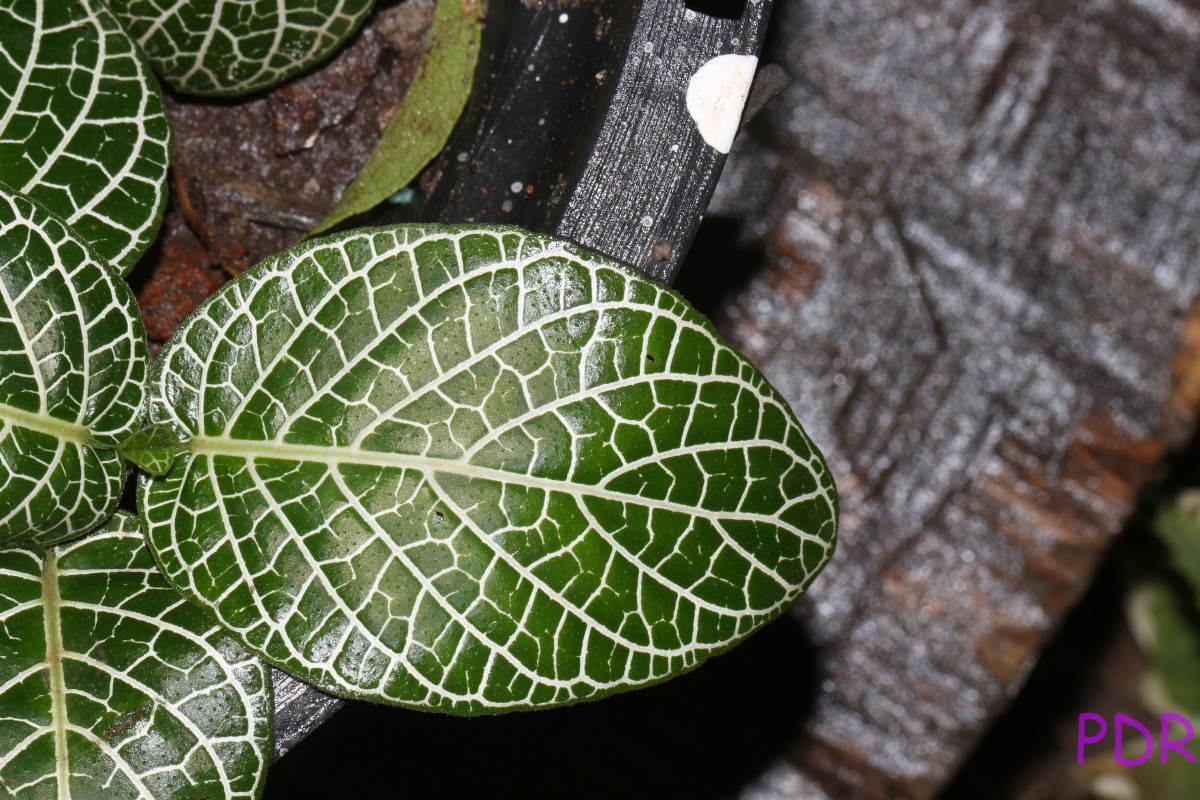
[(252, 176)]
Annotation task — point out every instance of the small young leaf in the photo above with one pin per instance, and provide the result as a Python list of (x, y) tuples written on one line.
[(231, 47), (152, 448), (113, 686), (72, 378), (476, 470), (418, 130), (82, 127)]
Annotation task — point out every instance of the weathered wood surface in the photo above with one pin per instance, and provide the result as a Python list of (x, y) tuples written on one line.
[(981, 226)]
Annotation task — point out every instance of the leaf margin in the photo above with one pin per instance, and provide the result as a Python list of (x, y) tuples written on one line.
[(823, 474)]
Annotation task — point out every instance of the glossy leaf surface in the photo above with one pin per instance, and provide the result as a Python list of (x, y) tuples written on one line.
[(477, 470), (230, 47), (72, 378), (82, 126), (113, 686)]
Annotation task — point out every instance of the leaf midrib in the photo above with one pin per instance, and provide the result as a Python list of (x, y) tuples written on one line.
[(429, 465), (45, 423), (51, 603)]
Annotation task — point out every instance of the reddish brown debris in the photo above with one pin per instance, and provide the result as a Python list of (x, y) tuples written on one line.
[(253, 176), (182, 276)]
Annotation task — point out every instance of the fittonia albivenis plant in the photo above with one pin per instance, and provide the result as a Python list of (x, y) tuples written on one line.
[(463, 469)]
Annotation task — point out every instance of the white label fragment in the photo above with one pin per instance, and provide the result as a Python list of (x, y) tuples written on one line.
[(716, 96)]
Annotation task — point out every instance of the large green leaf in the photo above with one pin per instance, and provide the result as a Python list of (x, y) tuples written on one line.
[(113, 686), (420, 127), (82, 127), (230, 47), (72, 378), (476, 470)]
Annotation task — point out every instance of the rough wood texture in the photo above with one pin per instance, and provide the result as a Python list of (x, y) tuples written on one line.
[(981, 222)]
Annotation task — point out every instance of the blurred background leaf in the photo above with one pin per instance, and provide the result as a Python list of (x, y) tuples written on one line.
[(421, 125)]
